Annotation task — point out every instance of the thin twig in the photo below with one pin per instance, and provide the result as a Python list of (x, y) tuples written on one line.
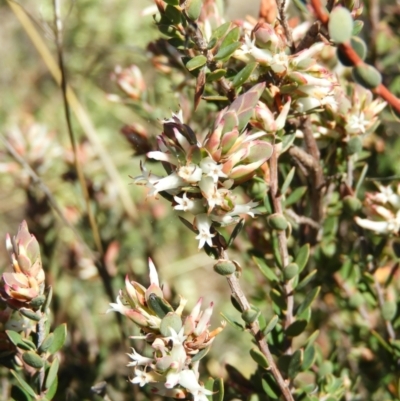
[(283, 20), (281, 235), (78, 167), (316, 174), (239, 295)]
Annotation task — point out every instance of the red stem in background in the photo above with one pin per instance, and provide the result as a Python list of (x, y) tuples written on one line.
[(380, 90)]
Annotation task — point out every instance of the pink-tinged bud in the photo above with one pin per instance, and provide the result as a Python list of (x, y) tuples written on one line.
[(130, 290), (136, 317), (265, 36), (244, 172)]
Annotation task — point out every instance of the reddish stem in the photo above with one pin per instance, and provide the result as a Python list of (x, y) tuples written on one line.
[(346, 48)]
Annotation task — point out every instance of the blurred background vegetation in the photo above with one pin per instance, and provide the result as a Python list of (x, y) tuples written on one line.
[(98, 36)]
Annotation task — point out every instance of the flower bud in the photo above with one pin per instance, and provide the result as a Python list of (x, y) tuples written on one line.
[(250, 315), (277, 221), (290, 271), (351, 204), (225, 267)]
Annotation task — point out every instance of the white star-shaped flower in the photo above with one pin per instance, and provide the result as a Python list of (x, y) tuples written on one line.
[(138, 360)]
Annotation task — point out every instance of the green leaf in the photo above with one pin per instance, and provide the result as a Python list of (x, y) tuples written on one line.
[(243, 75), (30, 314), (20, 342), (46, 343), (201, 354), (173, 14), (287, 142), (308, 300), (309, 357), (233, 322), (358, 46), (265, 269), (295, 363), (357, 27), (19, 394), (236, 231), (361, 179), (172, 2), (24, 385), (340, 25), (367, 76), (220, 31), (32, 359), (295, 196), (271, 324), (270, 387), (159, 306), (312, 338), (259, 358), (60, 334), (51, 392), (389, 310), (232, 37), (208, 385), (296, 328), (278, 298), (288, 181), (218, 389), (302, 257), (170, 321), (193, 8), (306, 279), (215, 75), (52, 373), (225, 52), (196, 62)]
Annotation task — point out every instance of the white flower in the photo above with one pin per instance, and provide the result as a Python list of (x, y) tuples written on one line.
[(138, 360), (381, 227), (176, 338), (203, 223), (189, 381), (141, 378), (245, 209), (212, 169), (172, 181), (356, 124), (118, 307), (190, 173), (194, 206)]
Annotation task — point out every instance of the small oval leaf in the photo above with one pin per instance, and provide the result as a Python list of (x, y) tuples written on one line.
[(340, 25)]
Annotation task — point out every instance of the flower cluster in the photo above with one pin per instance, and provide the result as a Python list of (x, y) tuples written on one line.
[(177, 343), (356, 114), (310, 84), (21, 291), (202, 175), (385, 205)]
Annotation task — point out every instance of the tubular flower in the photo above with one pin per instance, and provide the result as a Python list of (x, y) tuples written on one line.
[(201, 176), (175, 341)]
